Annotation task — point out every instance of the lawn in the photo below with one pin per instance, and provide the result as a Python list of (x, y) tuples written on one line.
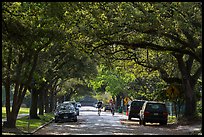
[(28, 125), (21, 111)]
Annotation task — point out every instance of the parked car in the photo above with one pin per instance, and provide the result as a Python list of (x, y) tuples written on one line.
[(107, 107), (74, 104), (78, 104), (65, 112), (153, 112), (134, 109)]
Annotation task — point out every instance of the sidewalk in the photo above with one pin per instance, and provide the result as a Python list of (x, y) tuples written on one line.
[(122, 114)]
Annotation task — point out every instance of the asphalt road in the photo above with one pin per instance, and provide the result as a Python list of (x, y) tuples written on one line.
[(89, 123)]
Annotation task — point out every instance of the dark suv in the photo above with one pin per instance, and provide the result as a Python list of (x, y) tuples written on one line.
[(134, 109), (153, 112), (74, 104)]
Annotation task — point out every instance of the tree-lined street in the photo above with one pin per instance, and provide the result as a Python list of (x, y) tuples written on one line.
[(121, 51), (89, 123)]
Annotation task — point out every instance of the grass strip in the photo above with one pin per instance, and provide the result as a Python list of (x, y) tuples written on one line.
[(21, 111), (29, 125)]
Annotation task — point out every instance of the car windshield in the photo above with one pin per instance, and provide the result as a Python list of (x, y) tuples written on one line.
[(62, 108), (74, 104), (70, 102), (65, 107)]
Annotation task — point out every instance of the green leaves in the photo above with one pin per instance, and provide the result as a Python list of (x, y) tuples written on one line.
[(114, 80), (62, 33)]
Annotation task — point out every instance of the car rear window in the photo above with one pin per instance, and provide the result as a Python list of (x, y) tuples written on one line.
[(155, 106), (137, 103)]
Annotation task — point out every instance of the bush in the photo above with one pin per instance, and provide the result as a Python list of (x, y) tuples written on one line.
[(199, 107)]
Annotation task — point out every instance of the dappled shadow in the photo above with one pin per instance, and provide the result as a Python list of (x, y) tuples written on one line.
[(12, 131), (98, 125), (89, 123), (135, 122), (88, 127)]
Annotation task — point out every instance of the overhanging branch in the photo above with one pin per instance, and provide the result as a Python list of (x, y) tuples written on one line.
[(163, 73), (147, 45)]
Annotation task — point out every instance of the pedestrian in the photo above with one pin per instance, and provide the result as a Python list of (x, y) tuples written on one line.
[(112, 108)]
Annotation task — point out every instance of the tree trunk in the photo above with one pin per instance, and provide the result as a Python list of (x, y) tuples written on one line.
[(188, 87), (190, 100), (12, 116), (175, 109), (34, 101), (41, 103), (11, 121), (67, 97), (7, 89), (51, 100), (46, 101), (118, 101)]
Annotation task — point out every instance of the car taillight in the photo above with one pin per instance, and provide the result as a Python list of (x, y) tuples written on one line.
[(146, 113)]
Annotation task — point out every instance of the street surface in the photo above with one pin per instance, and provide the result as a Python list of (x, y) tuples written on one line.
[(89, 123)]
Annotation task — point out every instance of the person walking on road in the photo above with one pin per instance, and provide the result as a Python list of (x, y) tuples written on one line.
[(99, 106), (112, 108)]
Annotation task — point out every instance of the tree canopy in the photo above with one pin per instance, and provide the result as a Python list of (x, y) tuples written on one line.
[(49, 44)]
